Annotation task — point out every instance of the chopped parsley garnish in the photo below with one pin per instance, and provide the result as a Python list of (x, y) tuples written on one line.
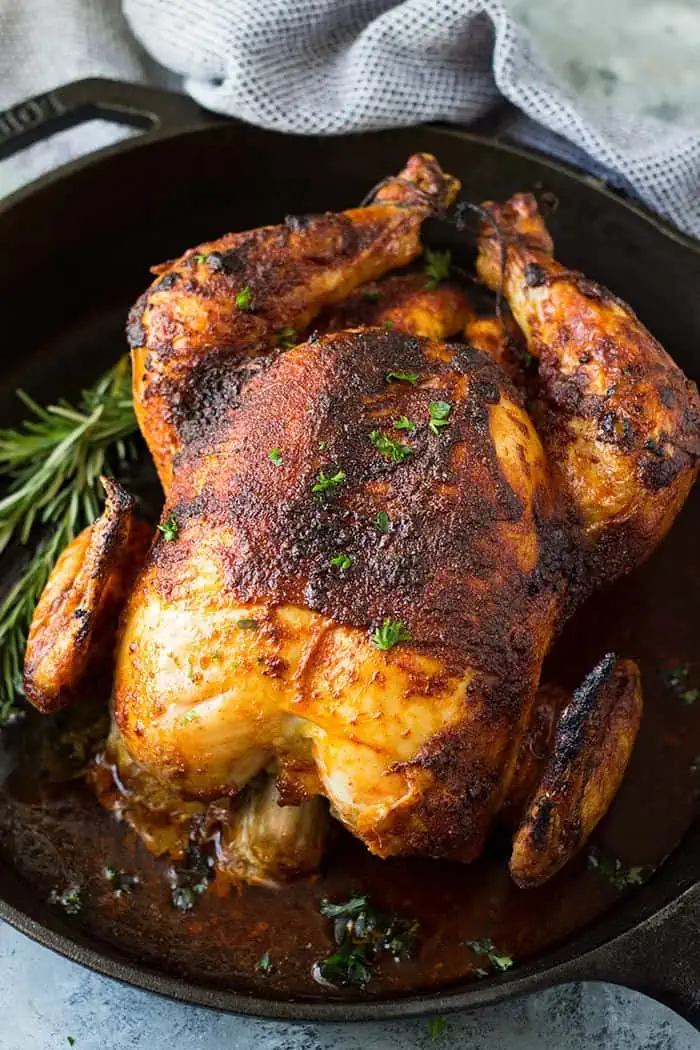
[(382, 522), (247, 625), (394, 450), (612, 869), (403, 424), (402, 377), (70, 900), (322, 446), (342, 560), (244, 299), (169, 528), (388, 325), (371, 296), (676, 679), (487, 948), (199, 258), (191, 716), (362, 935), (264, 964), (191, 880), (275, 456), (286, 337), (390, 634), (326, 484), (437, 267), (439, 415), (436, 1027)]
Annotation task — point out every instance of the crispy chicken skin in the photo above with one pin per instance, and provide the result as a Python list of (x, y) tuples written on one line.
[(190, 338), (71, 641), (250, 666)]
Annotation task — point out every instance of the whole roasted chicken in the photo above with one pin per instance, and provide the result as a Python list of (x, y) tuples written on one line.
[(371, 536)]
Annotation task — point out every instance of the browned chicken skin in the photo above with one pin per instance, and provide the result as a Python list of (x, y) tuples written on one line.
[(376, 544)]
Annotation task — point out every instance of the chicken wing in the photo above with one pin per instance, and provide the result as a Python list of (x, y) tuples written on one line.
[(70, 649)]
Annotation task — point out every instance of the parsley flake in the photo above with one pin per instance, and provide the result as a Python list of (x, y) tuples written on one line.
[(200, 258), (388, 325), (342, 560), (322, 446), (275, 456), (403, 424), (286, 337), (389, 634), (613, 869), (362, 935), (402, 377), (169, 528), (394, 450), (326, 484), (244, 299), (439, 415), (371, 296), (487, 948), (436, 1027), (437, 267), (70, 900), (264, 964), (382, 522), (676, 679)]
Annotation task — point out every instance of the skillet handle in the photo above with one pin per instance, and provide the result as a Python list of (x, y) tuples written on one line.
[(660, 957), (153, 110)]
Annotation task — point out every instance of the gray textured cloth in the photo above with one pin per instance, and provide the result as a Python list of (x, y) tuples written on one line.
[(329, 66)]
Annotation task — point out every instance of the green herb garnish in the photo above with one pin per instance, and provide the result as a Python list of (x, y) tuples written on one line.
[(394, 450), (275, 456), (612, 869), (169, 528), (322, 446), (402, 377), (371, 296), (286, 337), (264, 964), (191, 879), (439, 415), (191, 716), (71, 1040), (388, 325), (247, 625), (244, 299), (382, 522), (326, 484), (403, 424), (341, 561), (676, 679), (199, 258), (52, 464), (362, 935), (390, 634), (70, 900), (487, 948), (121, 880), (437, 267), (436, 1027)]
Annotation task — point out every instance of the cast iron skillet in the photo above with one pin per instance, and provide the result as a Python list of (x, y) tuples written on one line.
[(75, 248)]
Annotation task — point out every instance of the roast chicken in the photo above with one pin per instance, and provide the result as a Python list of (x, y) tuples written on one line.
[(370, 538)]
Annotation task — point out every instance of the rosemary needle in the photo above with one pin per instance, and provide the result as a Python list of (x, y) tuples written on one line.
[(52, 463)]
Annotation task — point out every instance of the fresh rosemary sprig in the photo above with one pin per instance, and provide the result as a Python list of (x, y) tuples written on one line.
[(52, 463)]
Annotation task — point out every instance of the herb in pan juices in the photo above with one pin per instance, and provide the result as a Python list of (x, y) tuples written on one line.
[(487, 948), (614, 871), (676, 679), (362, 935), (190, 880)]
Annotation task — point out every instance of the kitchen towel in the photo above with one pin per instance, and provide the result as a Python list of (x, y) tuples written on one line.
[(330, 66)]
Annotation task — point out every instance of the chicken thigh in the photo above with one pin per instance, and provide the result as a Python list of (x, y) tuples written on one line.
[(368, 544)]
